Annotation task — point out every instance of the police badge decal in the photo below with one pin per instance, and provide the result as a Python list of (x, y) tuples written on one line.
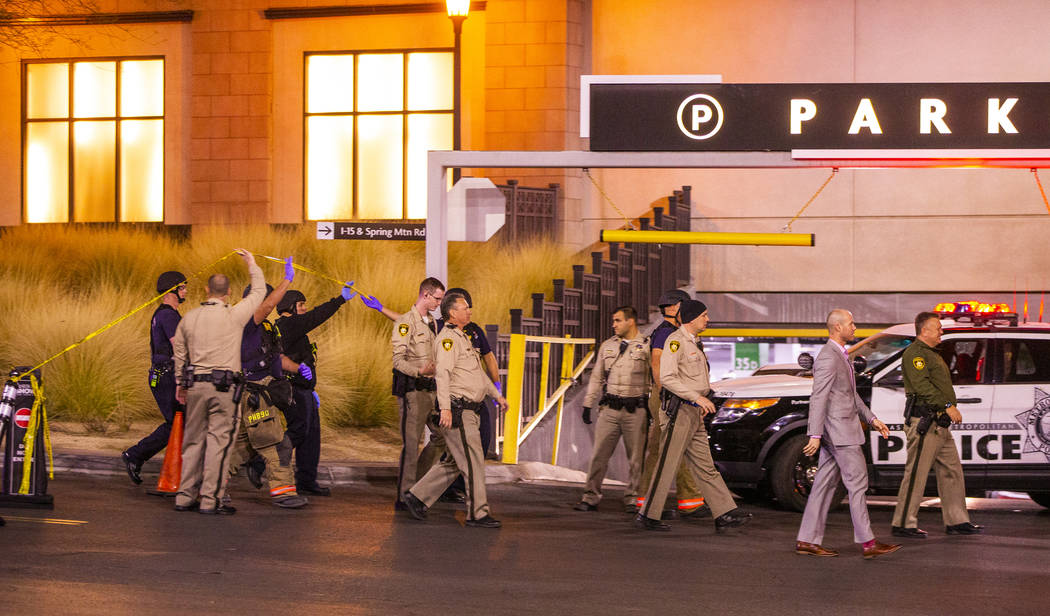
[(446, 344), (403, 329), (1036, 423), (673, 346)]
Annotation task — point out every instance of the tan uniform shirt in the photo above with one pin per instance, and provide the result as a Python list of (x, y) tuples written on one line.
[(413, 341), (683, 367), (209, 337), (460, 373), (629, 375)]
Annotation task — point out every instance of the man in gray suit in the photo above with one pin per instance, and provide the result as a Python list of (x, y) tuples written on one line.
[(835, 411)]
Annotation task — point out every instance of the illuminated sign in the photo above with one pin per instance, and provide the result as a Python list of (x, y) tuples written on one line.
[(371, 231), (784, 117)]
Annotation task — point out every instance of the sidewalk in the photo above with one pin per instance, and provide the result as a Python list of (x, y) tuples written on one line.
[(348, 455)]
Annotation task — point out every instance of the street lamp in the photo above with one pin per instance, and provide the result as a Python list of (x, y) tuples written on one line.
[(457, 12)]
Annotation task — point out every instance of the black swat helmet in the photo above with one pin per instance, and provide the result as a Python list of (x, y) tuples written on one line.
[(168, 280), (248, 289), (288, 302), (672, 297)]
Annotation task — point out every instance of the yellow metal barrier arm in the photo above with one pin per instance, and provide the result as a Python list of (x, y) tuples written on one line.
[(568, 356), (515, 377)]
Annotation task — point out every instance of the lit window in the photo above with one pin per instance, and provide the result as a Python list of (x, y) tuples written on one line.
[(370, 120), (94, 141)]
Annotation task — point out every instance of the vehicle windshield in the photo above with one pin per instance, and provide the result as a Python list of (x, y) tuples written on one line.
[(880, 347)]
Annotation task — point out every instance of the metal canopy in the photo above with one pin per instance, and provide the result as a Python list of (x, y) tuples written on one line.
[(439, 162)]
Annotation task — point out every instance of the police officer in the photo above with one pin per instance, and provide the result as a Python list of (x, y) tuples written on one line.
[(300, 366), (161, 373), (619, 386), (461, 389), (266, 390), (690, 500), (929, 411), (412, 340), (207, 347), (685, 379)]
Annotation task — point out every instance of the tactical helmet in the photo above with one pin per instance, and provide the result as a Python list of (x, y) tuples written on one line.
[(248, 289), (288, 302), (170, 279), (672, 297)]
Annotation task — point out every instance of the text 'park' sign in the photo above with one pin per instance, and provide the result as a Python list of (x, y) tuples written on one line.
[(784, 117), (371, 231)]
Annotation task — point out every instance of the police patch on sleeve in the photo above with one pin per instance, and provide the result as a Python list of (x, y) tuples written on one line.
[(403, 329), (447, 344), (673, 346), (919, 363)]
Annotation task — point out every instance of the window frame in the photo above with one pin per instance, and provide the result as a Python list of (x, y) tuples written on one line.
[(404, 113), (70, 120)]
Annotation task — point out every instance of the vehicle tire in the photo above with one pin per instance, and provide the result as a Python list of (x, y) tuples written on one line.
[(1041, 498), (791, 475)]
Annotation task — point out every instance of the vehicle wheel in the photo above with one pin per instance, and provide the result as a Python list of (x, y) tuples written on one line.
[(791, 475), (1042, 498)]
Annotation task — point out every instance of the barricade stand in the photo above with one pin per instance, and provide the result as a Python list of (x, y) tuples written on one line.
[(25, 442), (171, 472)]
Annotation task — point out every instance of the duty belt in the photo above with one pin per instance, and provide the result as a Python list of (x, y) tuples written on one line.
[(422, 383), (621, 403), (464, 404)]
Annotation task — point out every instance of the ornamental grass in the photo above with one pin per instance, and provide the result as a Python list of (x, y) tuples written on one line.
[(59, 283)]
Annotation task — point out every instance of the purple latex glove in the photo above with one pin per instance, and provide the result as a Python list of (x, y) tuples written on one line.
[(289, 271), (348, 293), (306, 372), (317, 399), (371, 302)]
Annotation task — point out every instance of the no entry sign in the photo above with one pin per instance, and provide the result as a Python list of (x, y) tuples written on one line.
[(22, 418)]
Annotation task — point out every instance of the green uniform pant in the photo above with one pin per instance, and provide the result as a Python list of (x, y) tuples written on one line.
[(260, 432), (609, 428), (417, 407), (940, 453), (688, 493), (464, 445), (211, 423), (686, 442)]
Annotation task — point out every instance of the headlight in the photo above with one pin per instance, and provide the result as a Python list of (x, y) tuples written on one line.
[(735, 408)]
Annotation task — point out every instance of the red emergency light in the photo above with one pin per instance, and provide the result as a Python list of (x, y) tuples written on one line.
[(978, 313)]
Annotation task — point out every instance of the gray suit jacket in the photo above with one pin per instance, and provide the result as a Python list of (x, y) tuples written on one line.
[(835, 407)]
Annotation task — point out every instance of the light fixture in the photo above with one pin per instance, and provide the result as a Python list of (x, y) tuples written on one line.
[(457, 12)]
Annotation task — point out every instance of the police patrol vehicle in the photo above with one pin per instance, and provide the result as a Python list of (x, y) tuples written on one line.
[(1001, 373)]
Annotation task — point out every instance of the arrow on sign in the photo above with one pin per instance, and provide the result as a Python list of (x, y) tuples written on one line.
[(324, 230)]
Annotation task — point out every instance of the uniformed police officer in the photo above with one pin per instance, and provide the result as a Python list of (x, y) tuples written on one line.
[(461, 389), (690, 500), (207, 348), (619, 387), (299, 360), (266, 391), (685, 379), (161, 373), (412, 340), (929, 411)]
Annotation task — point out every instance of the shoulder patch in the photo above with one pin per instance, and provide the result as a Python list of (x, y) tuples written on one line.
[(673, 346), (447, 344), (403, 329), (918, 362)]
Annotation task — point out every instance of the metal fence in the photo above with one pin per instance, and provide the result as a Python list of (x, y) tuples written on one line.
[(632, 275), (531, 212)]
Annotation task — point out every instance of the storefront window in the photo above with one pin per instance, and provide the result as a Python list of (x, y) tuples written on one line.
[(370, 120), (94, 141)]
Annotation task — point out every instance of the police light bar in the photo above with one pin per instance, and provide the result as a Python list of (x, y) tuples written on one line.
[(978, 313)]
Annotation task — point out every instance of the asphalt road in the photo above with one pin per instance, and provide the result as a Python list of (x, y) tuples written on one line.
[(350, 554)]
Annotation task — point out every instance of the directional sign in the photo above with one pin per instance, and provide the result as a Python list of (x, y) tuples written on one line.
[(22, 418), (402, 231)]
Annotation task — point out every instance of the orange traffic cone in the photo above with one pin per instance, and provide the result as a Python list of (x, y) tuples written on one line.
[(171, 472)]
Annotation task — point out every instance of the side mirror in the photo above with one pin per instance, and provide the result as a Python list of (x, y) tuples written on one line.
[(859, 364), (805, 361)]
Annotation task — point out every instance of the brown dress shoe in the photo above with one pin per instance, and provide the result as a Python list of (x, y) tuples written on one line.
[(880, 548), (801, 547)]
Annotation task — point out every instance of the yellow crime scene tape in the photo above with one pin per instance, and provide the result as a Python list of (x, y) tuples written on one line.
[(314, 273), (18, 518), (38, 414)]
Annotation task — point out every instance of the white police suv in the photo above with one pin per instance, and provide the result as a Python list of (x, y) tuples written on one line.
[(1001, 373)]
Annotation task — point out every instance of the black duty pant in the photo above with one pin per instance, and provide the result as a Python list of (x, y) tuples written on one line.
[(153, 444), (304, 431)]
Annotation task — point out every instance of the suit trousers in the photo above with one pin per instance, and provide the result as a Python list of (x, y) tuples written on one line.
[(940, 453), (846, 462), (207, 444), (609, 428), (686, 441), (688, 493), (417, 407), (466, 457), (156, 441)]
